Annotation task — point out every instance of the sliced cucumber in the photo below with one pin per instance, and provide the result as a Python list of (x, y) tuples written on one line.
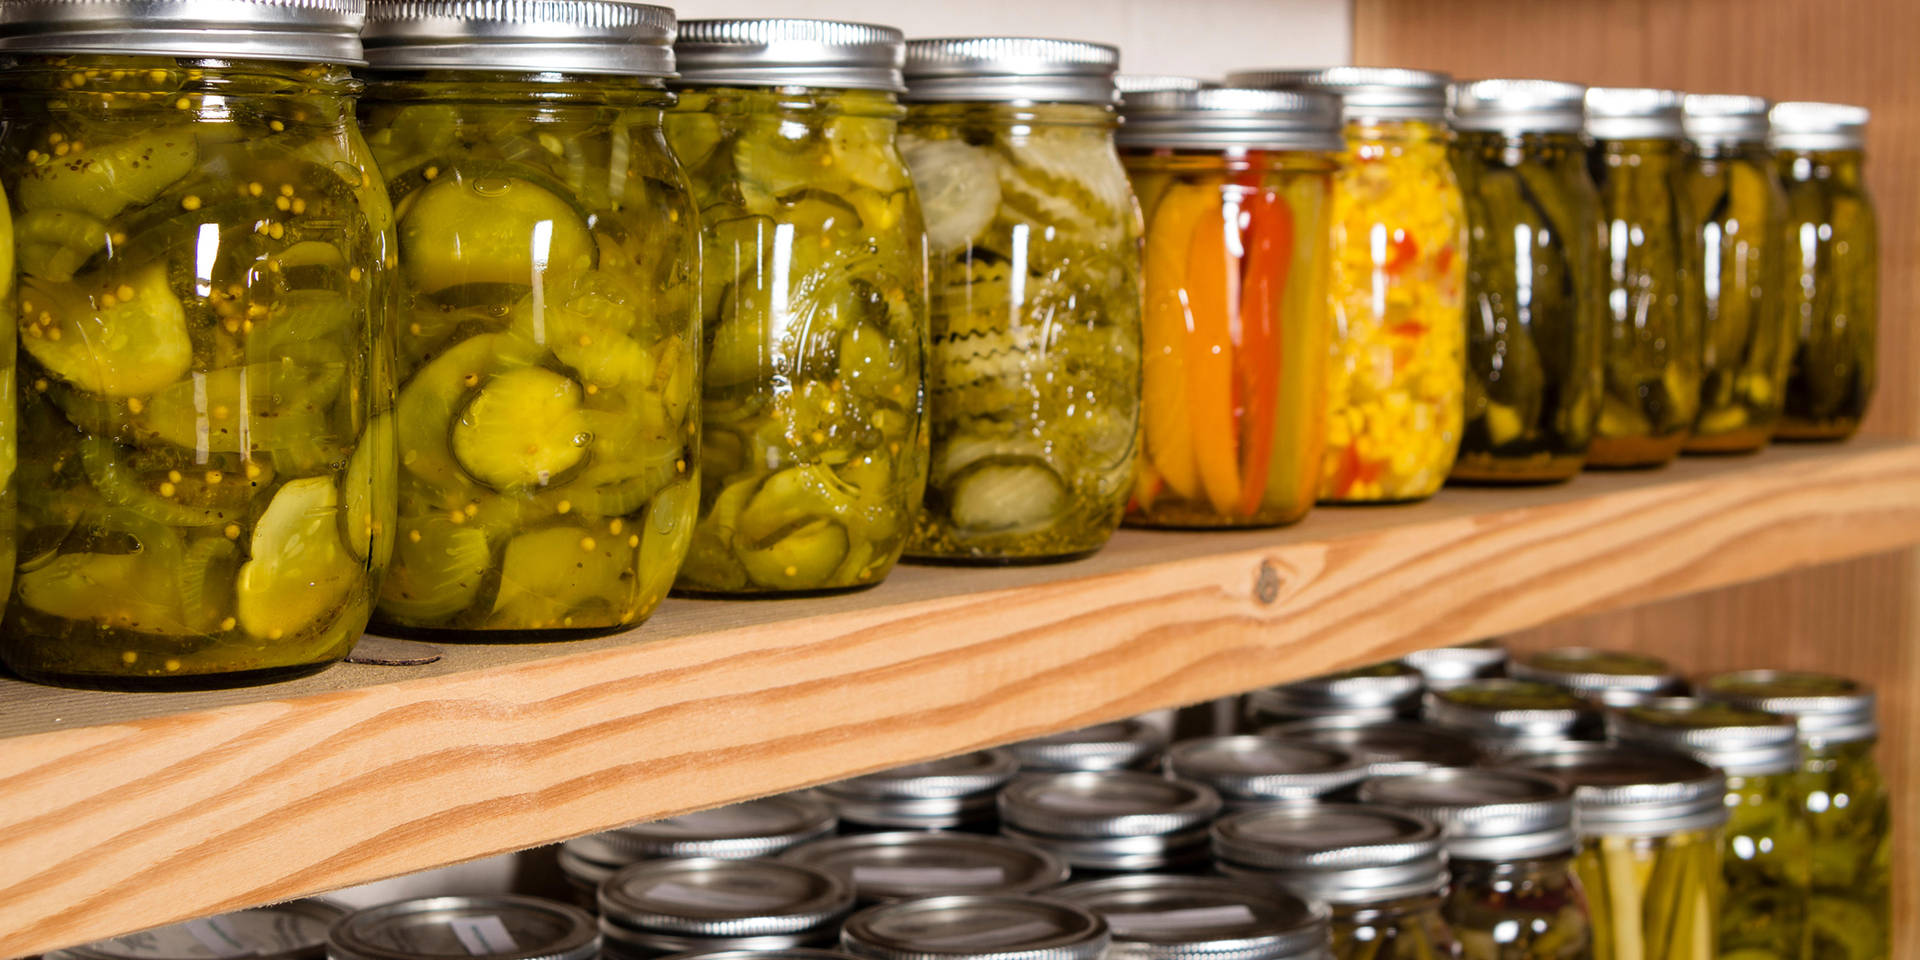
[(438, 391), (105, 179), (802, 559), (693, 136), (1006, 495), (300, 573), (206, 582), (106, 343), (667, 531), (523, 429), (437, 573), (491, 230), (959, 189), (368, 492), (191, 501), (55, 244), (121, 590), (548, 576), (273, 406), (792, 535)]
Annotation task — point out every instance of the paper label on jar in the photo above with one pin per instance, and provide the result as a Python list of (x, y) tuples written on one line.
[(483, 936), (218, 936), (930, 876), (681, 895), (1171, 921)]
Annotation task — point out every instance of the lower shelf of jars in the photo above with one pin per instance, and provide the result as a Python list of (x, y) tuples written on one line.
[(131, 810)]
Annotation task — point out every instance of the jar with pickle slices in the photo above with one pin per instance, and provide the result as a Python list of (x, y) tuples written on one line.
[(1848, 810), (1510, 845), (204, 256), (1034, 243), (1765, 863), (1830, 274), (1534, 281), (1653, 308), (1399, 272), (814, 292), (1736, 206), (1236, 186), (1651, 829), (547, 319)]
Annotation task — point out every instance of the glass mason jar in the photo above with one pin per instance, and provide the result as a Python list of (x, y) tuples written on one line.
[(9, 406), (545, 333), (1736, 207), (1386, 748), (814, 273), (1158, 917), (1654, 304), (1510, 846), (204, 257), (977, 928), (1830, 274), (1394, 392), (1651, 826), (1615, 678), (1847, 806), (1534, 281), (1382, 872), (1765, 863), (1236, 186), (1034, 239)]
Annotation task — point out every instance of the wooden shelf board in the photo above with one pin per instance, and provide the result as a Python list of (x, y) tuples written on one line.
[(121, 811)]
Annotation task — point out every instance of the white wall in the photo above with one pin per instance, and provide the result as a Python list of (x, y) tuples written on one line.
[(1194, 37)]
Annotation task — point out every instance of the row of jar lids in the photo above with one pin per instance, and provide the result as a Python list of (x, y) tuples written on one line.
[(1300, 107)]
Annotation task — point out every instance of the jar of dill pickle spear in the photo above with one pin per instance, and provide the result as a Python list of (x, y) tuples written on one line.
[(1830, 274), (1534, 281), (1510, 845), (1765, 862), (1736, 208), (1653, 308), (1846, 802), (1236, 186), (1399, 272), (1034, 244), (814, 277), (204, 256), (1651, 826), (1382, 872), (547, 323)]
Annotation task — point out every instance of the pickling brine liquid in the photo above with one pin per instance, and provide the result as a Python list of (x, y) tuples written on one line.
[(203, 256)]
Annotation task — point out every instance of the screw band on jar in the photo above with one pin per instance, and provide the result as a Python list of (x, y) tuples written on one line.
[(1385, 691), (1386, 749), (1111, 819), (675, 906), (489, 927), (755, 828), (1444, 667), (1612, 677), (1158, 917), (1255, 770), (321, 31), (909, 865), (977, 928), (1131, 744), (1343, 854), (1505, 715), (933, 795)]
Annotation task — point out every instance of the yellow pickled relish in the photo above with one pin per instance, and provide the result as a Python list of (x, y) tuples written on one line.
[(1397, 378)]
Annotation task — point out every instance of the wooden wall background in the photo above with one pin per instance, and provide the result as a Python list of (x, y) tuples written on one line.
[(1857, 617)]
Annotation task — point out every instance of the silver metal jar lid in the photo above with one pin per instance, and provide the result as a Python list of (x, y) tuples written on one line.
[(1443, 667), (1340, 853), (788, 953), (932, 795), (1106, 803), (1390, 748), (567, 36), (977, 928), (1613, 677), (1121, 745), (284, 931), (780, 52), (1485, 813), (1160, 917), (1366, 93), (1800, 125), (1718, 119), (1145, 82), (1381, 691), (1256, 769), (1506, 713), (1011, 69), (705, 897), (493, 927), (1826, 708), (755, 828), (1739, 741), (1633, 791), (899, 866), (1226, 118), (1517, 106), (1633, 113), (324, 31)]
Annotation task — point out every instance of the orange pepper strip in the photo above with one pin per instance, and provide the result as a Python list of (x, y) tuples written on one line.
[(1269, 254), (1163, 407), (1213, 300)]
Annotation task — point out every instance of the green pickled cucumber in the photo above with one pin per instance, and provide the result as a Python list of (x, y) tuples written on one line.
[(104, 180), (792, 532), (300, 574), (126, 591), (108, 337), (55, 244), (550, 575), (522, 428), (1006, 495), (367, 521), (666, 531), (430, 401), (275, 405), (439, 568), (186, 502), (959, 190), (490, 230)]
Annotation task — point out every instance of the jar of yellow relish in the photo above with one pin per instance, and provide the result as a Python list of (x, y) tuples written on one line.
[(1394, 390)]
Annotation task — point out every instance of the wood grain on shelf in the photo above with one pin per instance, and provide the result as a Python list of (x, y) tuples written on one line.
[(124, 811), (1857, 617)]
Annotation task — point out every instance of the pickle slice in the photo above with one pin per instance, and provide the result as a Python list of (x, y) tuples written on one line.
[(121, 340), (522, 429), (274, 406), (103, 180), (959, 190), (663, 541), (549, 575), (300, 572), (1000, 495), (438, 570), (369, 471), (121, 590), (428, 403), (54, 244), (490, 230)]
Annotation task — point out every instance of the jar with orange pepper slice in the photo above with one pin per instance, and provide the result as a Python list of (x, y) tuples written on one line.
[(1236, 186), (1394, 392)]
